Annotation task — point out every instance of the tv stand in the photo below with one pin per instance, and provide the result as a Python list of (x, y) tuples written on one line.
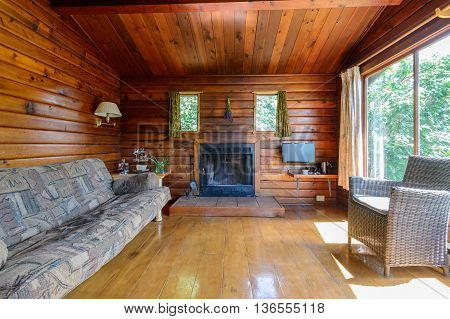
[(313, 177)]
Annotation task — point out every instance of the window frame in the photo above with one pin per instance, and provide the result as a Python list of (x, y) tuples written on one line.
[(414, 52), (198, 110), (255, 95)]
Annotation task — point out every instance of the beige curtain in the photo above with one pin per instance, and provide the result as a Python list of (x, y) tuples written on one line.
[(350, 136), (283, 129), (174, 114)]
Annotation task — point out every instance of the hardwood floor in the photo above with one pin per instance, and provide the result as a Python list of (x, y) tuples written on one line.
[(265, 206), (303, 255)]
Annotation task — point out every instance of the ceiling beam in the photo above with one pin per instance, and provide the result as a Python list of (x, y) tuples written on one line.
[(78, 7)]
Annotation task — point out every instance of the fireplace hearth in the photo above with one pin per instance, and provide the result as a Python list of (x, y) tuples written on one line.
[(227, 169)]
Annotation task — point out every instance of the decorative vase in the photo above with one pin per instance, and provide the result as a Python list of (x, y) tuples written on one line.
[(140, 160)]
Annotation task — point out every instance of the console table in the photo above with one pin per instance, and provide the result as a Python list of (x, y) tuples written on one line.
[(313, 177)]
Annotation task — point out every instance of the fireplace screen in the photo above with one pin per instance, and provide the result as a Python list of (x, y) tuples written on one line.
[(227, 169)]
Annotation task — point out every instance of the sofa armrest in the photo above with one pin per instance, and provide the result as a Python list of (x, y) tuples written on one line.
[(371, 186), (135, 183)]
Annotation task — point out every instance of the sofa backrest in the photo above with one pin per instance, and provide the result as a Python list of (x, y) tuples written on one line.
[(36, 199), (428, 173)]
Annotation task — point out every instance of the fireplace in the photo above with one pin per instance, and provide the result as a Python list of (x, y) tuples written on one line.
[(227, 169)]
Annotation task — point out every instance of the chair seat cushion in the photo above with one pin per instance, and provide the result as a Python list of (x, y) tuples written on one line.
[(51, 264), (378, 204)]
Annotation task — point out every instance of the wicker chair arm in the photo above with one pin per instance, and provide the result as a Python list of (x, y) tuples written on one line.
[(371, 186), (410, 200), (417, 221)]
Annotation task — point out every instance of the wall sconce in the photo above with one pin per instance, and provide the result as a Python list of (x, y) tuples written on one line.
[(444, 13), (108, 110)]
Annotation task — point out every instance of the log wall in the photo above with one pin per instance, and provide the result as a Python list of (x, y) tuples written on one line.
[(312, 111), (51, 81)]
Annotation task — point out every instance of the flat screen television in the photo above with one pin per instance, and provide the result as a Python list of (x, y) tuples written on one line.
[(298, 152)]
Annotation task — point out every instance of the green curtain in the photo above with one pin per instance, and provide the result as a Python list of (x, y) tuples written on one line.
[(174, 114), (283, 127)]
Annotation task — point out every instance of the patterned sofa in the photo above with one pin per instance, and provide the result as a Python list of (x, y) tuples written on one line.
[(61, 223)]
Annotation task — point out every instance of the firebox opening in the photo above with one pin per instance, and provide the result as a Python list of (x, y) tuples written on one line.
[(227, 169)]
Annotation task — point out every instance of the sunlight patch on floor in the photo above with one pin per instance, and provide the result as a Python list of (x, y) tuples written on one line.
[(265, 286), (344, 271), (332, 232), (416, 288)]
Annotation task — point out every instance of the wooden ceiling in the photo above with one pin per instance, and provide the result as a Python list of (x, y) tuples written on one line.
[(314, 40)]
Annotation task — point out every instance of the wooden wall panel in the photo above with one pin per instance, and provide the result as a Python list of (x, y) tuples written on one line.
[(393, 24), (313, 40), (342, 197), (51, 81), (312, 111)]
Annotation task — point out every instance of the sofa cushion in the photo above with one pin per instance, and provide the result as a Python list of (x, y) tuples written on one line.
[(36, 199), (135, 183), (378, 204), (3, 253), (51, 264)]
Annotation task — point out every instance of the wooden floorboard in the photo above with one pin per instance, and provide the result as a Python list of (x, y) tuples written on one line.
[(303, 255), (227, 206)]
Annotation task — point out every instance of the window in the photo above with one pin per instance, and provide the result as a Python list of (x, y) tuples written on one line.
[(394, 101), (434, 104), (266, 112), (390, 120), (189, 112)]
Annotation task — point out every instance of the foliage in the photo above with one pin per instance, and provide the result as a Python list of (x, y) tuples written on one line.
[(434, 106), (391, 115), (390, 120), (228, 114), (174, 114), (160, 164), (189, 113), (266, 112)]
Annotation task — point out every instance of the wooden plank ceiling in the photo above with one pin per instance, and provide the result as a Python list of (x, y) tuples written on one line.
[(228, 42)]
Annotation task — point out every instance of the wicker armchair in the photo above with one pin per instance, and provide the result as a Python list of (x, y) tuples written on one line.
[(404, 223)]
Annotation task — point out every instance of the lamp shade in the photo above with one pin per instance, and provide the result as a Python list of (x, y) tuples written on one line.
[(108, 109)]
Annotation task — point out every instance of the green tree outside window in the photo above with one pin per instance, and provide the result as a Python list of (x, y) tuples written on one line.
[(266, 112), (390, 108), (189, 113), (434, 99)]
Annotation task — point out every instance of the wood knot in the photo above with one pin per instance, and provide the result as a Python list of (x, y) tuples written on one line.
[(134, 254), (29, 108)]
